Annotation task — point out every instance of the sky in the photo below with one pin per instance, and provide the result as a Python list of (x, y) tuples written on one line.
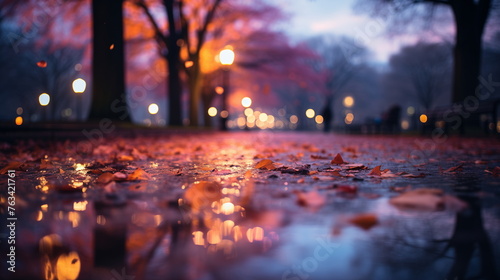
[(316, 17)]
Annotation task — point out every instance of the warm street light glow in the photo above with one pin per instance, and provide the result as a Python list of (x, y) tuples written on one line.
[(224, 114), (310, 113), (246, 102), (19, 120), (405, 124), (153, 108), (79, 85), (294, 119), (423, 118), (263, 117), (319, 119), (349, 118), (44, 99), (348, 101), (212, 111), (226, 57)]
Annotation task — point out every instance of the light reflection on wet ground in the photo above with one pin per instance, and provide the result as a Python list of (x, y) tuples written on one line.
[(202, 211)]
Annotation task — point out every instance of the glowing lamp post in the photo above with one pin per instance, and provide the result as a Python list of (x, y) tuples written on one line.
[(226, 58), (153, 109), (79, 85)]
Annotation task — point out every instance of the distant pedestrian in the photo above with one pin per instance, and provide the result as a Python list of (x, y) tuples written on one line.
[(327, 114)]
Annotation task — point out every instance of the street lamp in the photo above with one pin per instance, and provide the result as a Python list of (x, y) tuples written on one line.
[(153, 109), (79, 86), (226, 58)]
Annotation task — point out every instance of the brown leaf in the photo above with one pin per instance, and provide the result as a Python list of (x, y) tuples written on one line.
[(13, 165), (495, 171), (105, 178), (376, 171), (364, 221), (124, 158), (338, 160)]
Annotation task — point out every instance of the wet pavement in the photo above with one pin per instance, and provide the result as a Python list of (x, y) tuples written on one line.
[(251, 205)]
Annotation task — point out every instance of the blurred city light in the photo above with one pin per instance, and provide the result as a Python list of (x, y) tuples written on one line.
[(246, 102), (319, 119), (349, 118), (348, 101), (263, 117), (423, 118), (226, 57), (405, 124), (44, 99), (224, 114), (79, 85), (310, 113), (19, 110), (212, 111), (153, 108), (248, 112), (410, 110), (19, 120), (294, 119)]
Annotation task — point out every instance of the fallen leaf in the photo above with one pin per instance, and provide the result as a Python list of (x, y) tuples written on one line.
[(495, 171), (13, 165), (318, 157), (454, 168), (138, 174), (265, 164), (120, 176), (46, 164), (310, 199), (338, 160), (201, 194), (376, 171), (427, 199), (354, 166), (105, 178), (364, 221), (346, 189), (124, 158)]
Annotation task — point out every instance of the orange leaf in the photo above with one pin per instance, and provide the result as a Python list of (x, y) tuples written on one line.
[(265, 164), (454, 168), (138, 174), (364, 221), (375, 171), (338, 160)]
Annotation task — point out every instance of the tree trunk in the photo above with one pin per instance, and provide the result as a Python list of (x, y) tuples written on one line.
[(470, 19), (109, 97), (173, 64)]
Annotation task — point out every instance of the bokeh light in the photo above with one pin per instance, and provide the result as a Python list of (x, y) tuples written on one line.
[(212, 111), (153, 108), (219, 90), (348, 101), (246, 102), (423, 118), (44, 99), (226, 57), (294, 119), (349, 118), (410, 110), (79, 85), (19, 120), (319, 119), (248, 112), (263, 117), (19, 110), (405, 125), (224, 114), (310, 113)]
